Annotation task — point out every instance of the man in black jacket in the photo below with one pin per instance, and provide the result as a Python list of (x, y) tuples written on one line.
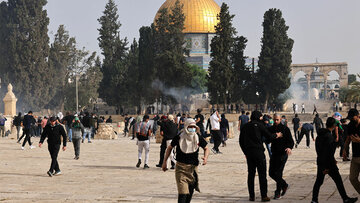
[(325, 149), (280, 149), (252, 145), (53, 133)]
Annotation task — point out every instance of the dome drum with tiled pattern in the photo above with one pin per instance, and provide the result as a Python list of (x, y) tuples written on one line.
[(200, 22)]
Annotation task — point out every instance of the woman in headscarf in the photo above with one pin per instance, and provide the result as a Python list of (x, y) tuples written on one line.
[(187, 144)]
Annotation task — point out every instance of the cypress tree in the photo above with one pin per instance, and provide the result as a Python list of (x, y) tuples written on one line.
[(242, 73), (221, 70), (275, 57), (28, 48)]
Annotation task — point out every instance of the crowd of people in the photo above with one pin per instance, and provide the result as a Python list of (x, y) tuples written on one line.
[(184, 135)]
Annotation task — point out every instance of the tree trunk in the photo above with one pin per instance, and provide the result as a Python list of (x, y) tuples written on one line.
[(266, 102)]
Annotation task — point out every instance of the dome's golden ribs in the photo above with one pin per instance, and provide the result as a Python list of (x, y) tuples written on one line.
[(201, 15)]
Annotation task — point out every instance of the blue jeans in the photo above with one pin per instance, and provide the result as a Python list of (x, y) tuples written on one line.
[(87, 131), (69, 131)]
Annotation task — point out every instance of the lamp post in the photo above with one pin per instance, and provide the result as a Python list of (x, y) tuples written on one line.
[(77, 92)]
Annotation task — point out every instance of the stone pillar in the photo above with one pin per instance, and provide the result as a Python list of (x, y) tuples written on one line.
[(10, 102), (325, 86), (308, 85)]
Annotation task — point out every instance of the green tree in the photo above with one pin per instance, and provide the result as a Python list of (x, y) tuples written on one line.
[(28, 52), (61, 59), (351, 78), (221, 70), (114, 51), (242, 74), (198, 79), (275, 57)]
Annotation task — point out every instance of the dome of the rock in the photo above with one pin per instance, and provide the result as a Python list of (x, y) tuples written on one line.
[(201, 15)]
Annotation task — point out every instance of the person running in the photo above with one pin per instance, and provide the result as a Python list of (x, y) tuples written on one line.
[(87, 127), (127, 122), (315, 110), (326, 164), (53, 133), (306, 128), (77, 129), (251, 144), (143, 135), (318, 123), (168, 131), (215, 131), (353, 136), (296, 124), (281, 149), (199, 118), (27, 126), (187, 145), (67, 120)]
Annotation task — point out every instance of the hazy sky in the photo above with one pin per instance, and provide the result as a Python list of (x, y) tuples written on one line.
[(325, 29)]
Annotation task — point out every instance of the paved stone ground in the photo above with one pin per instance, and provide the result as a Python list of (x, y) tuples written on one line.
[(106, 172)]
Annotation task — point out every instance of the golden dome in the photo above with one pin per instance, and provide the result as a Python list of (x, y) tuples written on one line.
[(201, 15)]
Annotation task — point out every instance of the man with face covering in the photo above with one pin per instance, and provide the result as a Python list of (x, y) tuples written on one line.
[(187, 144), (252, 145)]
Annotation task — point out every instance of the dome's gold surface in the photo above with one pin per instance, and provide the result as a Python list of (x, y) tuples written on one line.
[(201, 15)]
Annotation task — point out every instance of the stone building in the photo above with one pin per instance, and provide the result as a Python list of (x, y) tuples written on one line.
[(200, 21)]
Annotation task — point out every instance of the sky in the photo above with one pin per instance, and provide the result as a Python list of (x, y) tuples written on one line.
[(326, 30)]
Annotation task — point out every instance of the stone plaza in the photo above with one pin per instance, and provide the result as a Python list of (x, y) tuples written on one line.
[(106, 172)]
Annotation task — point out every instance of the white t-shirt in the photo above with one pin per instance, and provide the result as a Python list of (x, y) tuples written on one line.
[(214, 120)]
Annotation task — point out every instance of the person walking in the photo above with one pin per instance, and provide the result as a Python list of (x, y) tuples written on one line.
[(27, 126), (281, 149), (251, 144), (2, 125), (199, 119), (224, 129), (215, 131), (187, 145), (77, 129), (68, 120), (17, 123), (168, 131), (87, 127), (326, 164), (318, 123), (306, 128), (53, 133), (353, 137), (302, 108), (243, 119), (143, 135), (296, 124)]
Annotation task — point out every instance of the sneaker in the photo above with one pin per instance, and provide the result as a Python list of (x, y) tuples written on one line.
[(265, 199), (49, 173), (172, 167), (284, 190), (158, 165), (82, 141), (213, 151), (138, 163), (252, 199), (307, 147), (22, 148), (146, 166), (218, 152), (277, 196), (296, 145), (57, 173), (89, 141), (32, 147), (351, 200), (314, 201)]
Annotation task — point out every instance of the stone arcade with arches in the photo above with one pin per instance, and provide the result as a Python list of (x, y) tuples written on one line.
[(316, 71)]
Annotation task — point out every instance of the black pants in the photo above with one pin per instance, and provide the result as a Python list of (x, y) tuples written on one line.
[(27, 137), (76, 142), (217, 139), (162, 151), (277, 164), (296, 133), (54, 151), (335, 175), (307, 134), (256, 160)]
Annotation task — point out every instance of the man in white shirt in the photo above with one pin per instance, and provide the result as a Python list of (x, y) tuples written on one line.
[(215, 131)]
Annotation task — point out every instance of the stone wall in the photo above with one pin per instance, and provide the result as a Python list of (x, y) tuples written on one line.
[(106, 132)]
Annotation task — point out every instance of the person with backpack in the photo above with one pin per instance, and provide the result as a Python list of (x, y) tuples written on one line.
[(187, 144), (143, 133)]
